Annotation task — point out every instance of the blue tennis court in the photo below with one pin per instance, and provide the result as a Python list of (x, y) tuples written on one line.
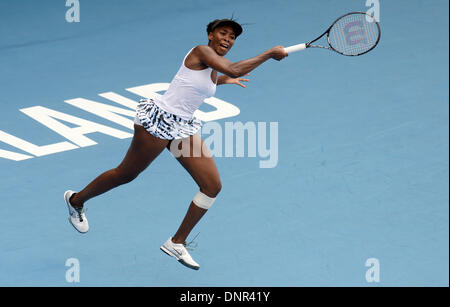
[(356, 148)]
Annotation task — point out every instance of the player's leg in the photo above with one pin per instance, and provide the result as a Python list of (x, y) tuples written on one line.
[(204, 171), (143, 150)]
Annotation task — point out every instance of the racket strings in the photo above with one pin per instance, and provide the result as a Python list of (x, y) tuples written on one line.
[(354, 34)]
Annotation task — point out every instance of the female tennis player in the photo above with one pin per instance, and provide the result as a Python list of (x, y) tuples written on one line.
[(160, 121)]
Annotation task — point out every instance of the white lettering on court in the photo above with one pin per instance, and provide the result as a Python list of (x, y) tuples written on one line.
[(122, 116), (73, 273), (48, 117), (73, 14), (30, 148), (373, 273)]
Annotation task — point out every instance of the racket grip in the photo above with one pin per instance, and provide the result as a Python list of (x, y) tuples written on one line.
[(295, 48)]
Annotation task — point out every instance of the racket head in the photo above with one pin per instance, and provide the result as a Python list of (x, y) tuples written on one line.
[(354, 34)]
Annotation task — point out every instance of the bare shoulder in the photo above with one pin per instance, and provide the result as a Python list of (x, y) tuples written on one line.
[(194, 59), (201, 50)]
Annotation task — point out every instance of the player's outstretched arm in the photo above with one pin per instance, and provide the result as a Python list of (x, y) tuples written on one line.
[(238, 69)]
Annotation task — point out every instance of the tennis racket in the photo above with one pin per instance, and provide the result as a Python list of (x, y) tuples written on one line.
[(353, 34)]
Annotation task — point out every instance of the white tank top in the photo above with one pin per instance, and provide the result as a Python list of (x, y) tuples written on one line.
[(187, 91)]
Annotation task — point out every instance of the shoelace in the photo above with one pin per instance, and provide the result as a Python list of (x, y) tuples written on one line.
[(191, 245), (80, 211)]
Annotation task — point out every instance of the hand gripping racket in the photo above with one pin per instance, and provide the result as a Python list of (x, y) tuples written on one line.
[(353, 34)]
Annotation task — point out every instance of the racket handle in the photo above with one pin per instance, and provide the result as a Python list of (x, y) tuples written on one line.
[(295, 48)]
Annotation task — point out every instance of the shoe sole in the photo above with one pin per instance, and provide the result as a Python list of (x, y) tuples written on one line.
[(70, 221), (165, 250)]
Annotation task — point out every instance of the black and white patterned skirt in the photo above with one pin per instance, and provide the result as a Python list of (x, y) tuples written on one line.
[(162, 124)]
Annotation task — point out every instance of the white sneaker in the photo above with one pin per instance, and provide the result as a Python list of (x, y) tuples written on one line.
[(77, 217), (179, 252)]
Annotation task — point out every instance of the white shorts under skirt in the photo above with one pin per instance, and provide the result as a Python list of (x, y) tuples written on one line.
[(162, 124)]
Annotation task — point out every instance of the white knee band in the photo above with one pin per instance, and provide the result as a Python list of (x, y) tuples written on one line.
[(203, 201)]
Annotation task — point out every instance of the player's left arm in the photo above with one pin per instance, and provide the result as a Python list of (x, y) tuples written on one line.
[(224, 79)]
